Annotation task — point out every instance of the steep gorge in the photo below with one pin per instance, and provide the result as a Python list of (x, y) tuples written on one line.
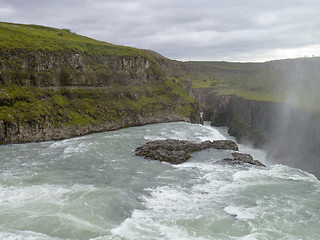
[(55, 84), (248, 120), (289, 134)]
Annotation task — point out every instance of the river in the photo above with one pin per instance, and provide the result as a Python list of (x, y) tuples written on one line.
[(94, 187)]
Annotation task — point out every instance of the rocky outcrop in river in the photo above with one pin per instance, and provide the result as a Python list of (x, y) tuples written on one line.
[(178, 151)]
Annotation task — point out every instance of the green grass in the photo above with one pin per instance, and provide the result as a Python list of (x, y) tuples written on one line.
[(224, 75), (247, 80), (249, 95), (34, 38), (84, 106)]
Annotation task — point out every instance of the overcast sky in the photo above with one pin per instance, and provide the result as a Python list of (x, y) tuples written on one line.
[(231, 30)]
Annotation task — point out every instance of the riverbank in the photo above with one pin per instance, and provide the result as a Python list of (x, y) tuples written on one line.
[(34, 114)]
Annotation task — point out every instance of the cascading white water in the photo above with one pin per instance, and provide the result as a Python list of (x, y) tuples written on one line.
[(94, 187)]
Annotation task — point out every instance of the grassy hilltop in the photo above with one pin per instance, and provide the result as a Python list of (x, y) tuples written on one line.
[(35, 37), (54, 81)]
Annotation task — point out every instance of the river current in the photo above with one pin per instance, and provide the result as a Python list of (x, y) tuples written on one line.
[(94, 187)]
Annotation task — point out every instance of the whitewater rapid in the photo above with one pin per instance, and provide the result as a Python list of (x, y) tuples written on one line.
[(94, 187)]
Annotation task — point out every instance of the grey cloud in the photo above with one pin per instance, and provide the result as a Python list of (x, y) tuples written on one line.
[(179, 29)]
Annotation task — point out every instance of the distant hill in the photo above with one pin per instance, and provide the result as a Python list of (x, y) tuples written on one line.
[(291, 80)]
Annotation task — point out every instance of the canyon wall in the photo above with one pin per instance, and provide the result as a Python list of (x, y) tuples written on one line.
[(68, 68), (248, 120), (290, 135)]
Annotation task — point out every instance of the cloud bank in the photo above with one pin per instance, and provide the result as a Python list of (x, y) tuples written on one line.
[(231, 30)]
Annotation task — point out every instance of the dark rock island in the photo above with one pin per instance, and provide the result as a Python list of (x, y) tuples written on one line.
[(178, 151)]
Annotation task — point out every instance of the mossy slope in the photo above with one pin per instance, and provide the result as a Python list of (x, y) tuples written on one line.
[(35, 38)]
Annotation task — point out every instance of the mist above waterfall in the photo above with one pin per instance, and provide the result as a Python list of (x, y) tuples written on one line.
[(296, 136)]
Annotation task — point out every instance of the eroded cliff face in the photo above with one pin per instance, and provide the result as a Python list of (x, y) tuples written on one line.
[(47, 95), (247, 120), (68, 68), (290, 135)]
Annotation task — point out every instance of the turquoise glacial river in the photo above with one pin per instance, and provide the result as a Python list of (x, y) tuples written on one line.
[(94, 187)]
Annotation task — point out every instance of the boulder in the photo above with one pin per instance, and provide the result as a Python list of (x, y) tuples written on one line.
[(225, 145), (243, 158)]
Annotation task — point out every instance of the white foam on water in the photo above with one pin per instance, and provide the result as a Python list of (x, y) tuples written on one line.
[(25, 235), (164, 207), (17, 196), (210, 133), (51, 208), (276, 171), (77, 148), (154, 138), (68, 147), (195, 200), (59, 144), (222, 193), (167, 206), (257, 236), (79, 223), (195, 133), (142, 226), (241, 213)]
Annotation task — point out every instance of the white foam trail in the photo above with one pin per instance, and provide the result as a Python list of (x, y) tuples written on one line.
[(195, 133), (19, 196), (276, 171), (77, 148), (25, 235), (59, 144), (153, 138), (80, 223)]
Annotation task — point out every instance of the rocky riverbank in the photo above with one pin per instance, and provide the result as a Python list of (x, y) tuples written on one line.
[(47, 114)]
